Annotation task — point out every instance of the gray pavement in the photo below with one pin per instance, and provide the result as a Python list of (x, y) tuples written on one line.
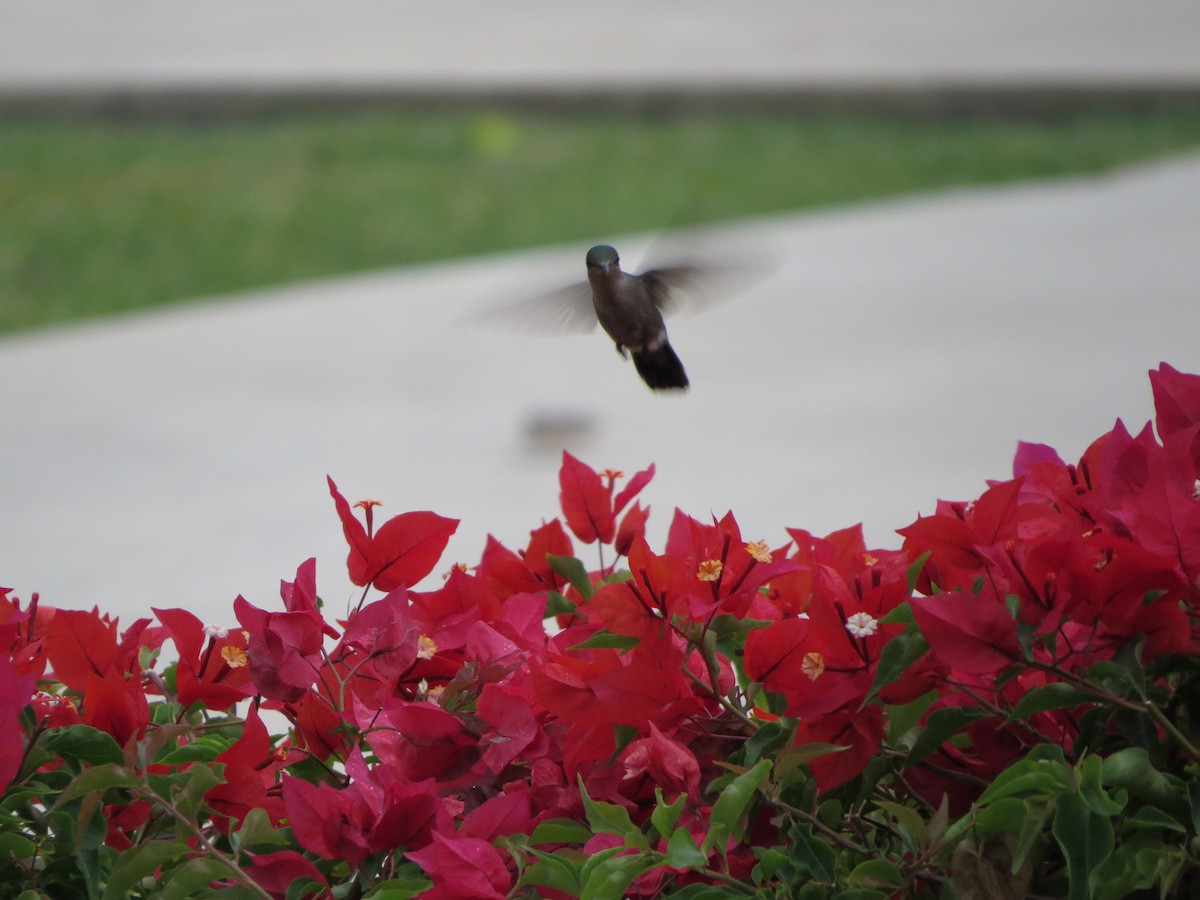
[(620, 44), (896, 355)]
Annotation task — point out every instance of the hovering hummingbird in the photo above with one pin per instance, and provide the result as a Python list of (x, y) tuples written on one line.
[(630, 309)]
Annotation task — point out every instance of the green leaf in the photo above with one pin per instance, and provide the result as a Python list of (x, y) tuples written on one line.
[(903, 718), (1003, 816), (574, 571), (606, 640), (914, 570), (90, 853), (136, 863), (1031, 775), (257, 831), (1047, 753), (398, 889), (560, 831), (731, 807), (1026, 631), (939, 727), (939, 822), (706, 892), (1151, 818), (1169, 868), (611, 877), (100, 778), (84, 744), (16, 846), (554, 870), (796, 756), (814, 891), (770, 861), (1123, 675), (876, 873), (666, 815), (609, 818), (814, 854), (725, 626), (1131, 869), (186, 790), (194, 875), (32, 790), (769, 739), (623, 736), (908, 821), (304, 887), (1037, 812), (831, 811), (203, 751), (682, 852), (617, 576), (900, 614), (897, 655), (1037, 782), (1052, 696), (1012, 602), (594, 859), (1086, 839), (557, 605), (1088, 772), (1132, 770)]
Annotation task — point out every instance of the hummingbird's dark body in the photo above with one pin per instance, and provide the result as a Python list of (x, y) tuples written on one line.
[(629, 310), (629, 307)]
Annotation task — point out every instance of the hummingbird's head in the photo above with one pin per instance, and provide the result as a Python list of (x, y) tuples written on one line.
[(602, 257)]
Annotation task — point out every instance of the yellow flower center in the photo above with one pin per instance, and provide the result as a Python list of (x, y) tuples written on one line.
[(710, 570), (813, 664), (759, 551), (235, 657)]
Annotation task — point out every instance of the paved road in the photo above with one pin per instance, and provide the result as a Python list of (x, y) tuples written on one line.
[(620, 43)]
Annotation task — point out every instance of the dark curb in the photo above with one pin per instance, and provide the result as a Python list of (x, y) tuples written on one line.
[(914, 99)]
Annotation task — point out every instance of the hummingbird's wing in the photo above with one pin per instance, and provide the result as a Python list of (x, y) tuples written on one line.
[(567, 310), (690, 287)]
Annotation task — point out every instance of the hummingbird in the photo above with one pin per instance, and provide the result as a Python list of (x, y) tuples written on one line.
[(629, 309)]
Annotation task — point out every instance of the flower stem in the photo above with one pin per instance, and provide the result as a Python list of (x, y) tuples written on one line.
[(206, 845)]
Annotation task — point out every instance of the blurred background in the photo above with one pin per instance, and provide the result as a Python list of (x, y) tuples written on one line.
[(246, 246)]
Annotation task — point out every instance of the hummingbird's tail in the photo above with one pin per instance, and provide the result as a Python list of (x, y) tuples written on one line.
[(660, 367)]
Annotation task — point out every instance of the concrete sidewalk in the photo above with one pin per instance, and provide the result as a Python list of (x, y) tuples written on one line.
[(127, 46), (897, 356)]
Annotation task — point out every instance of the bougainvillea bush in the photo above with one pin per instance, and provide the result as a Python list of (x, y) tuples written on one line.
[(999, 708)]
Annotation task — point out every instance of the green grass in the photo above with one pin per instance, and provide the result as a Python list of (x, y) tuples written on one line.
[(102, 217)]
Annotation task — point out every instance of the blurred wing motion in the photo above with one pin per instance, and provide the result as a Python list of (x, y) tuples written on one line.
[(568, 310), (691, 288), (565, 311), (676, 288)]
